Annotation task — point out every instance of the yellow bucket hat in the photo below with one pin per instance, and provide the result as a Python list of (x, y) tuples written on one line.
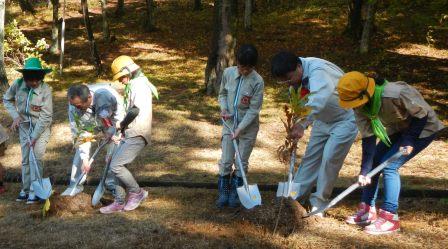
[(355, 89), (123, 65)]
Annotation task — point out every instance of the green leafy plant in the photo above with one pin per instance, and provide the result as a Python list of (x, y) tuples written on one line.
[(18, 47), (85, 132)]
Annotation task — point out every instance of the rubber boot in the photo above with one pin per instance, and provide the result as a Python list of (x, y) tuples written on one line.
[(223, 191), (235, 182)]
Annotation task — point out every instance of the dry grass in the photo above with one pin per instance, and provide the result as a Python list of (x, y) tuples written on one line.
[(186, 134), (185, 218)]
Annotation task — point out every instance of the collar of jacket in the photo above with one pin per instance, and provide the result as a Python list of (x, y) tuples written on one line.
[(305, 67), (237, 75), (36, 90)]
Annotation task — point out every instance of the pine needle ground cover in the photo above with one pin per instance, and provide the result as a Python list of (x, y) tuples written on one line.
[(179, 218)]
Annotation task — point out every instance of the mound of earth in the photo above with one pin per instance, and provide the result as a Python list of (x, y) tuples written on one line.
[(274, 215), (68, 205)]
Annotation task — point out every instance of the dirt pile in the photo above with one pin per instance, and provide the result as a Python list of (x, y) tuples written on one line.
[(67, 205), (283, 217)]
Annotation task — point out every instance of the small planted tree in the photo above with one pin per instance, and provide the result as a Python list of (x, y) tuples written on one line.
[(294, 112)]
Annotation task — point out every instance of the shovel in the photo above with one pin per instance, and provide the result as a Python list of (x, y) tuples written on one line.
[(289, 188), (249, 195), (354, 186), (41, 187), (99, 191), (71, 190)]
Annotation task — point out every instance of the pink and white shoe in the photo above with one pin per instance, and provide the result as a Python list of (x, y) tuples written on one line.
[(364, 216), (135, 199), (112, 208), (386, 223)]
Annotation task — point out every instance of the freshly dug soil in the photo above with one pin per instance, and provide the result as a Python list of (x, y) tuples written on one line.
[(264, 217), (67, 205)]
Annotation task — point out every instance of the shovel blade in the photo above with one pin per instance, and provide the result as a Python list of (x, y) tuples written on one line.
[(43, 190), (295, 190), (75, 187), (68, 191), (72, 191), (282, 190), (98, 194), (288, 189), (251, 198)]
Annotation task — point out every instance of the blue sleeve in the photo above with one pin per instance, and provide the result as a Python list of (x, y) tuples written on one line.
[(368, 153), (413, 132)]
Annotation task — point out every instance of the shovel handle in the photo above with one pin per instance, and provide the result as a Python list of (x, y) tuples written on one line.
[(238, 156), (99, 191), (92, 158), (79, 179), (355, 185), (32, 155), (291, 165), (240, 165)]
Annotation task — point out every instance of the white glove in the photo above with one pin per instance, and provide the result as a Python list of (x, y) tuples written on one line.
[(364, 180)]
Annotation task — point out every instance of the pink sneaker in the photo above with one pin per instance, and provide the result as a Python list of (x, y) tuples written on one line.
[(112, 208), (135, 199), (364, 216), (387, 222)]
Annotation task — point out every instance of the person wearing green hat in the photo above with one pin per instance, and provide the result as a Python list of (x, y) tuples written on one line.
[(396, 114), (30, 104)]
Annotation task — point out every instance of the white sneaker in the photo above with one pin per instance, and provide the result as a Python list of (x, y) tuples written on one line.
[(32, 199), (320, 214)]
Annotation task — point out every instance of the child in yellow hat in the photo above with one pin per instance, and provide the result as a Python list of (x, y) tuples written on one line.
[(397, 114)]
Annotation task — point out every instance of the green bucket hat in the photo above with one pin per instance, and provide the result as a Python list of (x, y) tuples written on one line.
[(33, 64)]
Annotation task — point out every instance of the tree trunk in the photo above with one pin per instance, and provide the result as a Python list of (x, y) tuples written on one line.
[(223, 46), (234, 7), (248, 15), (54, 49), (93, 47), (367, 30), (149, 23), (106, 32), (25, 5), (197, 5), (119, 12), (354, 24), (254, 6), (3, 78)]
